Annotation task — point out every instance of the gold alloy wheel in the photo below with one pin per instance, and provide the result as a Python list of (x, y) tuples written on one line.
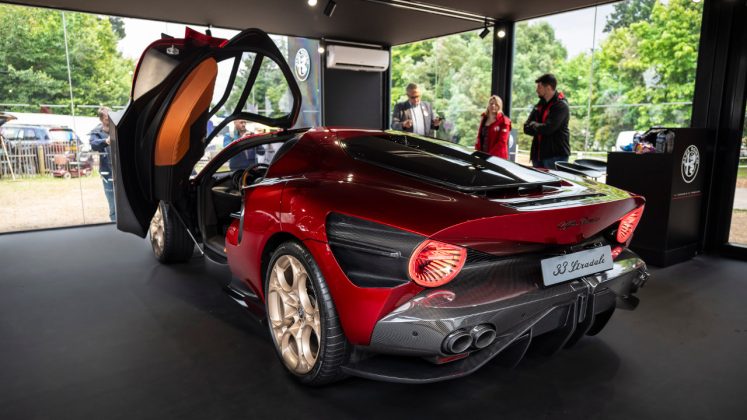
[(156, 232), (294, 314)]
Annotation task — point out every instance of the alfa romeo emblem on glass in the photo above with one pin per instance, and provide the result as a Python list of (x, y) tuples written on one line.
[(690, 163), (302, 64)]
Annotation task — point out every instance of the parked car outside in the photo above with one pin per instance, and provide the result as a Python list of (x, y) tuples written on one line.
[(43, 135)]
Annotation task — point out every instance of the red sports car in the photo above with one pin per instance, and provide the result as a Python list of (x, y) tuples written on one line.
[(371, 253)]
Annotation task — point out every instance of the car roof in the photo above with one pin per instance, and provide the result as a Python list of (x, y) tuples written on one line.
[(42, 126)]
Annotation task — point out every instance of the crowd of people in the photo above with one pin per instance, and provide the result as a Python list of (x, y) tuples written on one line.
[(547, 123)]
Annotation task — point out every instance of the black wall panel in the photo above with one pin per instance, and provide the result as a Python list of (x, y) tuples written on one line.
[(353, 98), (720, 91)]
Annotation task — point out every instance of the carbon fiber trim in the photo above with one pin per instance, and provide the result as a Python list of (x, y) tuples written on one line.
[(507, 295), (557, 315)]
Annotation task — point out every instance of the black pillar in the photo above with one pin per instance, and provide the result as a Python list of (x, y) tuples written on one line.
[(503, 56), (387, 93), (718, 104)]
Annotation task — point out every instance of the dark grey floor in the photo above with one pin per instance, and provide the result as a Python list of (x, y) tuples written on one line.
[(91, 327)]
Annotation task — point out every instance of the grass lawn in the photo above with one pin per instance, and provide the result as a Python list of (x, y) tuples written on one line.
[(44, 201), (738, 230)]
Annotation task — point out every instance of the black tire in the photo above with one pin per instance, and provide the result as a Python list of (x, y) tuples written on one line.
[(169, 239), (332, 346)]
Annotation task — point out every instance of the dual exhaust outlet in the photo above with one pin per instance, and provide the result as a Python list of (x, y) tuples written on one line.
[(461, 340)]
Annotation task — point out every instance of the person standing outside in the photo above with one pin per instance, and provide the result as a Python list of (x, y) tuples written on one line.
[(246, 158), (548, 123), (414, 115), (494, 130), (100, 140)]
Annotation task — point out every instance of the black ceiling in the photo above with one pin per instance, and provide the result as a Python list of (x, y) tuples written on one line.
[(353, 20)]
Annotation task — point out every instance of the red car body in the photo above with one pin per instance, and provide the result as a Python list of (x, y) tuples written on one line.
[(370, 209), (345, 186)]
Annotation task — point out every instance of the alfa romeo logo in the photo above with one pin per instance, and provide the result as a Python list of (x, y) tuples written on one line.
[(690, 163), (302, 64)]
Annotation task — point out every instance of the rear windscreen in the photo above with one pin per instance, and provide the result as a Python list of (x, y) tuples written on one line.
[(443, 163), (155, 65), (60, 135)]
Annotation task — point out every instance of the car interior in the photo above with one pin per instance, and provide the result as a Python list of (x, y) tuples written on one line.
[(220, 191)]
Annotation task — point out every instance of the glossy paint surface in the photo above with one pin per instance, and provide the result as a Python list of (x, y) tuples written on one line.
[(317, 177)]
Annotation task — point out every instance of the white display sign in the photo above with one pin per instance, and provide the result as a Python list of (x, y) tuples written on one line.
[(578, 264)]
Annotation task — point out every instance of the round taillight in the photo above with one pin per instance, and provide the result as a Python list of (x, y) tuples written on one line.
[(436, 263), (628, 224)]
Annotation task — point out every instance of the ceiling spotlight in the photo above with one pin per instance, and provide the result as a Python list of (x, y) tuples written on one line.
[(320, 50), (330, 8), (485, 30), (311, 3), (501, 33)]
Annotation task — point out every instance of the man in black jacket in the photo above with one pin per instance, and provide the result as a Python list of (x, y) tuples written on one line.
[(414, 115), (548, 123)]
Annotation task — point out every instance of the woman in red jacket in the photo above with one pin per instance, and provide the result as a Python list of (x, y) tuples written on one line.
[(492, 135)]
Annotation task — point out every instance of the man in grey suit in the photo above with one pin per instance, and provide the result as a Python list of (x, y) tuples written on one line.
[(415, 116)]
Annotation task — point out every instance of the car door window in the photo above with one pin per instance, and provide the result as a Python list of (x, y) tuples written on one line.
[(270, 96), (226, 95), (254, 86), (246, 85), (230, 91), (10, 133)]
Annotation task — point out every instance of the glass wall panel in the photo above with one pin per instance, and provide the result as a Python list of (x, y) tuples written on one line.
[(738, 229), (40, 137), (623, 67), (57, 70), (454, 76)]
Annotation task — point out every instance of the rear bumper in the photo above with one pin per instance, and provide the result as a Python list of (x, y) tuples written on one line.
[(521, 313)]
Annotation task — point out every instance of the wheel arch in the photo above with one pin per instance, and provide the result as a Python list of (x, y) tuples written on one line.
[(271, 245)]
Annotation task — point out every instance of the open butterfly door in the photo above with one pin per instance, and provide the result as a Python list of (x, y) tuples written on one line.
[(157, 139)]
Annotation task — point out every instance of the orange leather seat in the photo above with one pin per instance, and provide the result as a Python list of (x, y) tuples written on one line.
[(191, 101)]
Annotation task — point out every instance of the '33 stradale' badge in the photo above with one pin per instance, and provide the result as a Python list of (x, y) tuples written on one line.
[(690, 163), (302, 64)]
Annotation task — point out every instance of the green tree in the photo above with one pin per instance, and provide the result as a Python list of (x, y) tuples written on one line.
[(270, 92), (642, 74), (574, 76), (537, 51), (627, 13), (118, 26), (470, 88), (32, 53), (646, 71), (454, 74)]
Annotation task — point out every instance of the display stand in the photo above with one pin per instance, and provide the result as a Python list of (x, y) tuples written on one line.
[(673, 185)]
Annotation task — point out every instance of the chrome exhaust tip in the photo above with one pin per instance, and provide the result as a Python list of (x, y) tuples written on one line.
[(457, 342), (483, 335)]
